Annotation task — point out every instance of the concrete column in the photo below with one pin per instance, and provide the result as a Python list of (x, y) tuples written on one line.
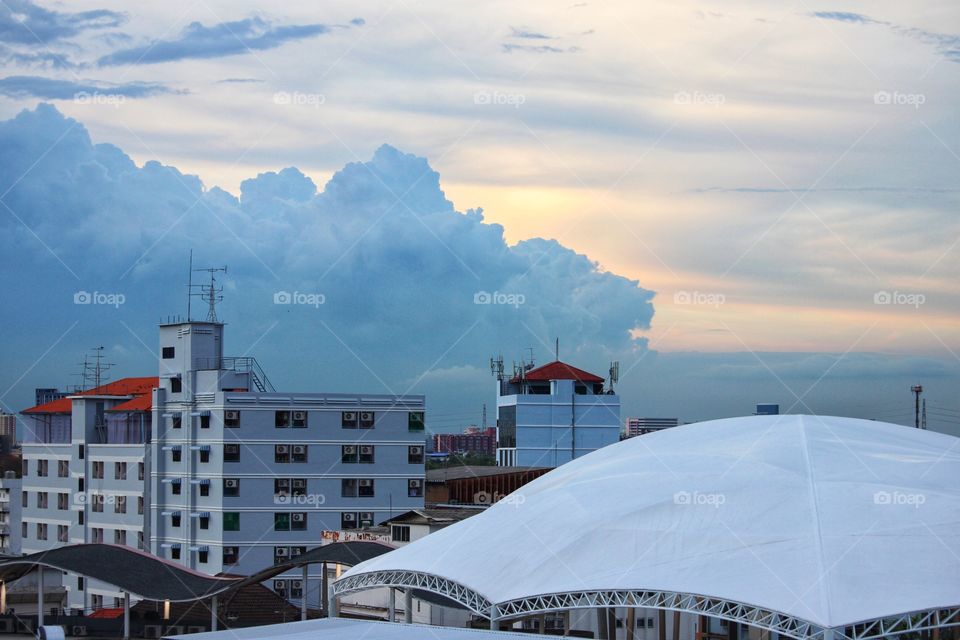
[(303, 599), (40, 599), (494, 623), (126, 615), (392, 606), (631, 623), (213, 613), (603, 632), (662, 624), (408, 605), (676, 625)]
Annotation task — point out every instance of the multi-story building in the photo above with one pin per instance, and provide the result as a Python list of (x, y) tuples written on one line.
[(208, 466), (48, 394), (639, 426), (10, 514), (8, 432), (552, 414), (472, 440)]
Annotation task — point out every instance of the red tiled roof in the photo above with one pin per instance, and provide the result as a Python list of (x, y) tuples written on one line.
[(137, 403), (107, 612), (557, 370), (123, 387)]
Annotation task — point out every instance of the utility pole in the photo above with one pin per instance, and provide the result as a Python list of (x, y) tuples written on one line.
[(917, 390)]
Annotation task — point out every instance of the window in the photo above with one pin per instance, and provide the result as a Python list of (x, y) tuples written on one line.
[(366, 419), (140, 544), (175, 552), (400, 533), (23, 530), (231, 521), (281, 419), (415, 488), (205, 455), (281, 522), (348, 419), (415, 421), (175, 519), (119, 470), (298, 419), (97, 500), (62, 533), (348, 488), (349, 453), (203, 555), (205, 422), (348, 521), (231, 555), (280, 555), (365, 488), (231, 487), (281, 453), (175, 487), (41, 531), (42, 468), (175, 385), (139, 505), (366, 454), (140, 471), (167, 353), (176, 421), (299, 453), (366, 518), (298, 521), (63, 468), (80, 518), (231, 418), (96, 535), (98, 470), (80, 485), (119, 536), (204, 521), (231, 453), (23, 499), (281, 487), (80, 451), (63, 501), (43, 500), (25, 470), (176, 454), (205, 488), (299, 486), (415, 455), (80, 583)]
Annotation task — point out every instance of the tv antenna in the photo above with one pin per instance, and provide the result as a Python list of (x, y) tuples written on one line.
[(94, 369), (209, 293), (614, 373)]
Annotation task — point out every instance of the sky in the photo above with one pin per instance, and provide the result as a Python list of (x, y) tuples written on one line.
[(740, 202)]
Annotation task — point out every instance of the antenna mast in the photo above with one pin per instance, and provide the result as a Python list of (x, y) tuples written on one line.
[(614, 373), (209, 293), (189, 285), (94, 369)]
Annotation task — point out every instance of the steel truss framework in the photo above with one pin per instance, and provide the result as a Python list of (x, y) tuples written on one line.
[(781, 623)]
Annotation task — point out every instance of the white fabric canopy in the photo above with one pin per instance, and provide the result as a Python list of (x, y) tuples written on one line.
[(829, 520)]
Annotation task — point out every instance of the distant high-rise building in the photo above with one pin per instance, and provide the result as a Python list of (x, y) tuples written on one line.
[(8, 432), (639, 426), (472, 440), (550, 415), (767, 409), (48, 394)]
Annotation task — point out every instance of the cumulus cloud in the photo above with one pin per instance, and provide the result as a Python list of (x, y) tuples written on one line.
[(52, 89), (410, 284), (197, 41), (24, 22)]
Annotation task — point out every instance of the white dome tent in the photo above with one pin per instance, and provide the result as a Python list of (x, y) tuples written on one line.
[(810, 527)]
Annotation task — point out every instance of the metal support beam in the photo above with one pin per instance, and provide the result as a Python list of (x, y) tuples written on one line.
[(40, 599), (303, 594), (324, 594), (631, 623), (494, 621), (392, 606), (126, 615), (213, 613), (408, 606)]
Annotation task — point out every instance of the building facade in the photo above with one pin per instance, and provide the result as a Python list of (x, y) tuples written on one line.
[(10, 514), (550, 415), (472, 441), (8, 432), (633, 427)]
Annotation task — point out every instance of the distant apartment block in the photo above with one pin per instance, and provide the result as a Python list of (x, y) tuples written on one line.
[(8, 432), (10, 514), (472, 441), (639, 426), (550, 415), (207, 465), (48, 394)]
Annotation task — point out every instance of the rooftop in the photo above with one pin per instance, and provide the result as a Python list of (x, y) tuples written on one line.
[(122, 387), (474, 471), (558, 370)]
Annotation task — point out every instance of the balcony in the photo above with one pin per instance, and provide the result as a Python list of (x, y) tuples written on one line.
[(247, 365)]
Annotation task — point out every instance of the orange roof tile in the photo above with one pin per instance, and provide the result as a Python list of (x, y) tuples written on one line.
[(122, 387)]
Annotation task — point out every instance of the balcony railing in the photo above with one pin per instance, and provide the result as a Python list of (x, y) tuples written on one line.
[(238, 365)]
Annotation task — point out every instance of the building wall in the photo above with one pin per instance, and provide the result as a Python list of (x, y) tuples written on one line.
[(10, 541)]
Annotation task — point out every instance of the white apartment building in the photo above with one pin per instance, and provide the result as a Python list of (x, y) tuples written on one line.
[(206, 465)]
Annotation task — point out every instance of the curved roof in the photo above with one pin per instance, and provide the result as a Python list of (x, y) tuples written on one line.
[(811, 520)]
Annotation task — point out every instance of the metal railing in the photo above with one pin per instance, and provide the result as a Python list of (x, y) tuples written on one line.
[(247, 364)]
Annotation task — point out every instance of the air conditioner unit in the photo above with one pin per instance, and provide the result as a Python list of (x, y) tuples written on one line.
[(78, 630), (281, 552), (366, 450), (152, 631), (296, 584), (349, 450), (299, 483), (299, 448), (280, 586), (231, 483), (416, 451), (349, 517), (413, 483), (366, 416), (299, 415), (349, 416), (282, 448), (366, 516), (231, 415), (366, 483), (299, 517), (175, 630)]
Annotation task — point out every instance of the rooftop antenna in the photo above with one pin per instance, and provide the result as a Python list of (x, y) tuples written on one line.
[(189, 285), (614, 373), (210, 293), (94, 369), (496, 367), (557, 350), (529, 365), (917, 390)]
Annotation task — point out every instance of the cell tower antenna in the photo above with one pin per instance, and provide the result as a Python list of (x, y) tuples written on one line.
[(614, 373), (917, 390), (210, 293), (189, 285), (530, 364), (496, 367)]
